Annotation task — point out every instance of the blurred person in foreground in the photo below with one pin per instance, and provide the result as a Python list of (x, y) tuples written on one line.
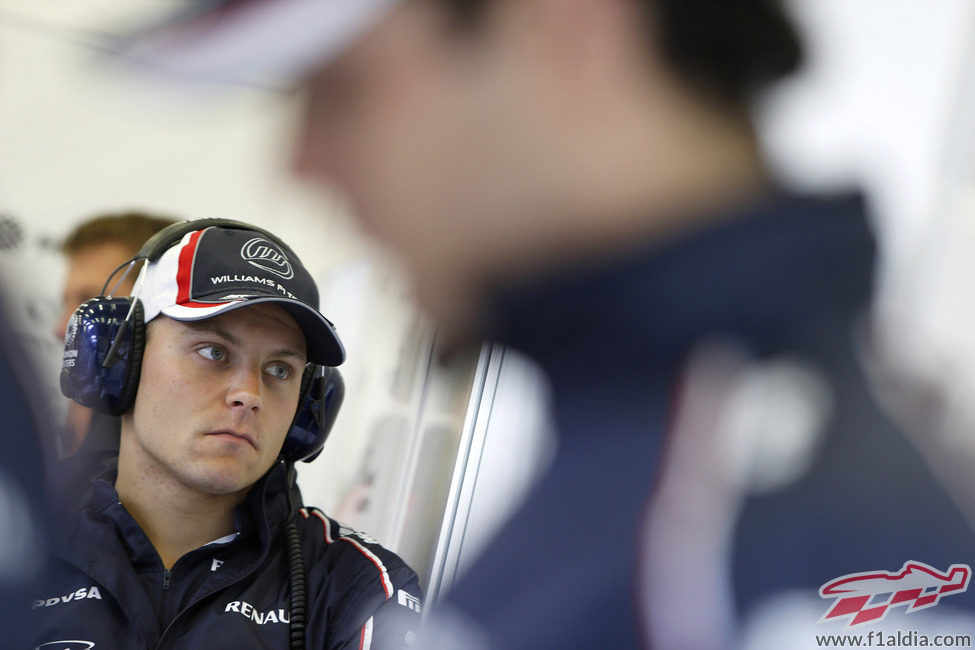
[(23, 503), (581, 179), (93, 249)]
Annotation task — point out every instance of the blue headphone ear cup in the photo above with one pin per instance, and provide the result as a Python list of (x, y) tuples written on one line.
[(321, 396), (103, 354)]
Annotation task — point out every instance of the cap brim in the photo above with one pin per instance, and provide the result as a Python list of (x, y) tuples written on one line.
[(262, 42), (324, 346)]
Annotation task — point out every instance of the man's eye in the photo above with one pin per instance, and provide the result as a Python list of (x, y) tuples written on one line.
[(213, 353), (279, 371)]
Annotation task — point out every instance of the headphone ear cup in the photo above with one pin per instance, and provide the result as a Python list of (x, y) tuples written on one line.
[(100, 346), (321, 396)]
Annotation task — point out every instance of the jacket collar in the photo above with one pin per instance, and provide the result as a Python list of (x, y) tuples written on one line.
[(263, 512)]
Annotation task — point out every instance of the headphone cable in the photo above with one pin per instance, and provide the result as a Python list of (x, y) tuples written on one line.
[(112, 355), (296, 568)]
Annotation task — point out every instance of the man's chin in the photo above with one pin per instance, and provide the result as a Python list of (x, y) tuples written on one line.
[(222, 480)]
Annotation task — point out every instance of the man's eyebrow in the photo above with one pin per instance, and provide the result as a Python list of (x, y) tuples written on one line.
[(289, 352), (215, 328)]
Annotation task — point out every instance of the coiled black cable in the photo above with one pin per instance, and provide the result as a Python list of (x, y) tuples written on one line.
[(296, 572), (299, 596)]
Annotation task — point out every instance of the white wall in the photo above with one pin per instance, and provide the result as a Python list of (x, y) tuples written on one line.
[(886, 101)]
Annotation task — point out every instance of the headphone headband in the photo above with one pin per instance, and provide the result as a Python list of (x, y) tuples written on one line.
[(166, 238)]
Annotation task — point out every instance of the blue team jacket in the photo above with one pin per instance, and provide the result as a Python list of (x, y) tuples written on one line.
[(785, 279), (108, 589)]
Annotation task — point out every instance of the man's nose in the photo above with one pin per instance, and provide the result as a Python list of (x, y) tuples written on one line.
[(244, 391)]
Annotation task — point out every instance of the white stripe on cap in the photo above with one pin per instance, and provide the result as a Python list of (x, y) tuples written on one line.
[(185, 313), (161, 289)]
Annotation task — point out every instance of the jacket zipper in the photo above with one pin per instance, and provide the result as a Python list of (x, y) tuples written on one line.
[(167, 578), (162, 637), (254, 568)]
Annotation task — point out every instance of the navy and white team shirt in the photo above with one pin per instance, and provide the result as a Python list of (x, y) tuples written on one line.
[(648, 530), (108, 588)]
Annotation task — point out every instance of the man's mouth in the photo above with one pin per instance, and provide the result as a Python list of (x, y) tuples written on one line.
[(230, 434)]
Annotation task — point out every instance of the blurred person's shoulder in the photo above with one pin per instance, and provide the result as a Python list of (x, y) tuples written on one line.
[(24, 508)]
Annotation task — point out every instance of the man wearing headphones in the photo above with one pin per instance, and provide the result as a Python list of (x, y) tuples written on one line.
[(222, 369)]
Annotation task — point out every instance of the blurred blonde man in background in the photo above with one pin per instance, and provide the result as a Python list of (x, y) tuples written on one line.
[(93, 249)]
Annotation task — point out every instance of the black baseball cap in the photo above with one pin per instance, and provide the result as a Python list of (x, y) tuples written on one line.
[(218, 269)]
